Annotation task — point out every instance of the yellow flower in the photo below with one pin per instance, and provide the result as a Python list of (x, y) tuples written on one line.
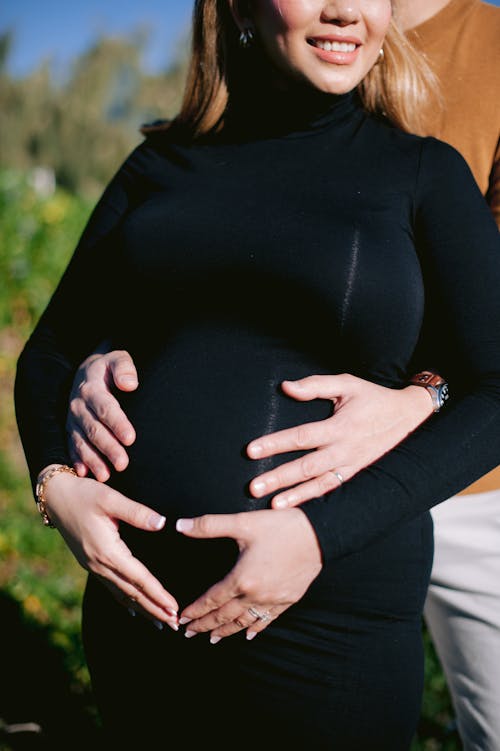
[(33, 606), (55, 210)]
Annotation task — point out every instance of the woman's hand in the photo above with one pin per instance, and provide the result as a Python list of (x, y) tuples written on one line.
[(368, 421), (97, 427), (87, 514), (279, 558)]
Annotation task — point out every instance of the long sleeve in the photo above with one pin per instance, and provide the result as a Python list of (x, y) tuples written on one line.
[(459, 248), (76, 319), (493, 194)]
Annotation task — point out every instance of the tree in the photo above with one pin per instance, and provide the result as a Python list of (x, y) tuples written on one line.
[(84, 126)]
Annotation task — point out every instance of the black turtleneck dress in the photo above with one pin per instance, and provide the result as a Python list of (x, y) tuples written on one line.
[(323, 241)]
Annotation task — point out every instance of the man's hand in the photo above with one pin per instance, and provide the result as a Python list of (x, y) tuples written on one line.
[(368, 421), (97, 427)]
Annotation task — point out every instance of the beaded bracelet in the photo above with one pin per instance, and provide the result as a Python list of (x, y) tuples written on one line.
[(40, 490)]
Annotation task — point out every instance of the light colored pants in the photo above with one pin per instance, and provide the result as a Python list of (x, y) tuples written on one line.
[(463, 612)]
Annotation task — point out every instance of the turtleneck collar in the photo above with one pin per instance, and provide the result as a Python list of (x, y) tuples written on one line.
[(275, 113)]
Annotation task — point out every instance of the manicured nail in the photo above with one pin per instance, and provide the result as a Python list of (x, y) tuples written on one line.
[(280, 503), (159, 625), (185, 620), (189, 634), (258, 487), (255, 450), (173, 626), (171, 612), (156, 521), (215, 639), (251, 635), (184, 525), (132, 612)]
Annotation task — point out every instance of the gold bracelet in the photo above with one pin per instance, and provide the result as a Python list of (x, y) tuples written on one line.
[(40, 490)]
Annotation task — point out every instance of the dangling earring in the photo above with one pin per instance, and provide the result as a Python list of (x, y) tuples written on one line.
[(246, 38), (381, 56)]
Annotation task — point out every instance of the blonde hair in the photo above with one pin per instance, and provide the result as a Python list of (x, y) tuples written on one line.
[(400, 87)]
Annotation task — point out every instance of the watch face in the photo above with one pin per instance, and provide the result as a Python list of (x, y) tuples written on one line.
[(443, 394)]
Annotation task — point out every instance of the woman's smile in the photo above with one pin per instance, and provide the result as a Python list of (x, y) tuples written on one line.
[(337, 50), (330, 46)]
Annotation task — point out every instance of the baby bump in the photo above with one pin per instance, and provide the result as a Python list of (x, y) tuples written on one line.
[(198, 405)]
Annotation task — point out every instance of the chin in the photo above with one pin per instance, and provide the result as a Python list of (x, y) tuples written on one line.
[(334, 88), (339, 85)]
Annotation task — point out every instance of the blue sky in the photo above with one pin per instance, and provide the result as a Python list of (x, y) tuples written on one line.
[(61, 29)]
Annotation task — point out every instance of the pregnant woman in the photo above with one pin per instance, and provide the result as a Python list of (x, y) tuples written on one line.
[(283, 225)]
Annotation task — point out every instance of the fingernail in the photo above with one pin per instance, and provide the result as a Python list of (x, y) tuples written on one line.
[(156, 521), (189, 634), (184, 525), (171, 612), (255, 450), (127, 437), (251, 635), (129, 380), (185, 620), (280, 503), (258, 487), (120, 464), (215, 639), (173, 626), (159, 625), (132, 612)]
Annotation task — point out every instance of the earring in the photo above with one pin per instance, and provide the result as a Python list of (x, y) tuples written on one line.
[(381, 56), (246, 38)]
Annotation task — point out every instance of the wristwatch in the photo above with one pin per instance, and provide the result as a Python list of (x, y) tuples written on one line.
[(435, 385)]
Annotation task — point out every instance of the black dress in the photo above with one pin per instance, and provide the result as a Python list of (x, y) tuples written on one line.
[(322, 240)]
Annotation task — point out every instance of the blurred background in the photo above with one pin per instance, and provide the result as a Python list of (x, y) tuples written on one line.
[(76, 82)]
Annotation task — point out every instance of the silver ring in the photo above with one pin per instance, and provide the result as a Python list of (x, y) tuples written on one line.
[(338, 476), (266, 616)]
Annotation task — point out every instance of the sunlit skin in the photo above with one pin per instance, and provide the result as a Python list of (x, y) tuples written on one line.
[(291, 31)]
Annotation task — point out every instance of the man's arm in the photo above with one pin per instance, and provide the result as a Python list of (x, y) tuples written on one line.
[(493, 194)]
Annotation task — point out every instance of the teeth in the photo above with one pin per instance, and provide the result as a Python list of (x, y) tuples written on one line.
[(334, 46)]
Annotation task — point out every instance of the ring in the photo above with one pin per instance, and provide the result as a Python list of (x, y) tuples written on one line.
[(338, 476), (266, 616)]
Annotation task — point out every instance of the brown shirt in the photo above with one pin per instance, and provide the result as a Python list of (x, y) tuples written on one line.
[(462, 45)]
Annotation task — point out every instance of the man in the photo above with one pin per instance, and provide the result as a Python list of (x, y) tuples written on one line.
[(461, 41)]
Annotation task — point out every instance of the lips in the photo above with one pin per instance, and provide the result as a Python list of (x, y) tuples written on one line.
[(337, 50)]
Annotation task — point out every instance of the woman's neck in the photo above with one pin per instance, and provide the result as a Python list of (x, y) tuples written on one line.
[(270, 112), (411, 13)]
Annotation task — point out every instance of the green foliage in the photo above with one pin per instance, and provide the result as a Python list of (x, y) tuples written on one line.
[(83, 126), (34, 244), (40, 583)]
